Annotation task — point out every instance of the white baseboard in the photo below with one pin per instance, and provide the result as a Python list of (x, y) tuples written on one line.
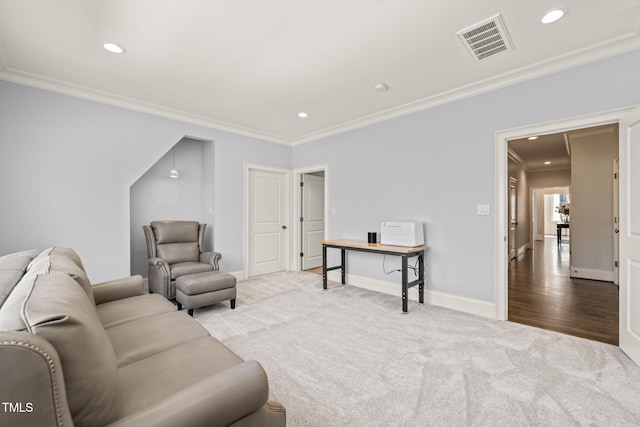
[(591, 274), (539, 237), (453, 302), (523, 249)]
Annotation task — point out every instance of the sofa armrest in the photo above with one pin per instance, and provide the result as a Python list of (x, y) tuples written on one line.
[(212, 258), (218, 400), (118, 289), (31, 380)]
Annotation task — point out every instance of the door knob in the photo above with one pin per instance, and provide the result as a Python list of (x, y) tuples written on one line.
[(617, 231), (284, 227)]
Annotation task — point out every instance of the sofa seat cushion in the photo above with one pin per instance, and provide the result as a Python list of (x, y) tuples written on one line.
[(127, 309), (58, 310), (147, 336), (184, 268), (155, 378)]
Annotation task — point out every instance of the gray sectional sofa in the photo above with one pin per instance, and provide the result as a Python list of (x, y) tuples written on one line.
[(73, 353)]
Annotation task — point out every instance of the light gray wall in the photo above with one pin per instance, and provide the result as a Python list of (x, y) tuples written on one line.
[(67, 164), (592, 202), (438, 164), (560, 178)]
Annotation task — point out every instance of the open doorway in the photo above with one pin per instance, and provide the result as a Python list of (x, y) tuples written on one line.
[(310, 205), (555, 283)]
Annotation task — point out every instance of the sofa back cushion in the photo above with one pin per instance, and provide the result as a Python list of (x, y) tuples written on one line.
[(177, 241), (58, 310), (12, 268), (12, 293), (63, 260)]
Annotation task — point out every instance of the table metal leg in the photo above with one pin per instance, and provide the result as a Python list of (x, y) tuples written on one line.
[(324, 268), (405, 280), (344, 265), (421, 278)]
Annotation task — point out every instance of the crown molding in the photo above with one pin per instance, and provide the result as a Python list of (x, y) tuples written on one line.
[(610, 48), (617, 46), (513, 156), (77, 91)]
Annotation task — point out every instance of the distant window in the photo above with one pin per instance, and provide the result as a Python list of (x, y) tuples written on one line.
[(560, 205)]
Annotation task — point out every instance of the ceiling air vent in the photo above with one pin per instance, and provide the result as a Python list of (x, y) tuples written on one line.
[(486, 38)]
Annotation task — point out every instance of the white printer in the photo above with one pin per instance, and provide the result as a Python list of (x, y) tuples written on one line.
[(402, 233)]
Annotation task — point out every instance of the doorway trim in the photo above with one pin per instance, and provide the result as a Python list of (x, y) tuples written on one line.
[(501, 188), (248, 167), (296, 262)]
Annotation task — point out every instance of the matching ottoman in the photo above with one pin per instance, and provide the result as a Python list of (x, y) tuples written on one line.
[(201, 289)]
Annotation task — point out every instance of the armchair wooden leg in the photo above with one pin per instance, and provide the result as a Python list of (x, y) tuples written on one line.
[(190, 311), (233, 304), (179, 306)]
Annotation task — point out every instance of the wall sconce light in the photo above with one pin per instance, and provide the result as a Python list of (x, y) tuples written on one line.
[(174, 172)]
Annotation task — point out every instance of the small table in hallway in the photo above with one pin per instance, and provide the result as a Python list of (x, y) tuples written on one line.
[(560, 227), (404, 252)]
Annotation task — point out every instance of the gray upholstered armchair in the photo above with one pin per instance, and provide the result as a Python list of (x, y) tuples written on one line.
[(175, 248)]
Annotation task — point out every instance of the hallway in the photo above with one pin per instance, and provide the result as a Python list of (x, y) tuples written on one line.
[(542, 294)]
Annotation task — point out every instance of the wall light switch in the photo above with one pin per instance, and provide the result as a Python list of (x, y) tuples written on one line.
[(333, 211), (483, 210)]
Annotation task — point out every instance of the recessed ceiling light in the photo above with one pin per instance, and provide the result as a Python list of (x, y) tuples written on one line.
[(303, 115), (547, 163), (380, 87), (113, 48), (553, 15), (531, 138)]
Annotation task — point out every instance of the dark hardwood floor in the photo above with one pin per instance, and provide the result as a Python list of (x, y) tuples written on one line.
[(542, 294)]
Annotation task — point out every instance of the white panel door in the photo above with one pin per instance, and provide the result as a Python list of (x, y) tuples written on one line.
[(268, 221), (312, 220), (629, 280)]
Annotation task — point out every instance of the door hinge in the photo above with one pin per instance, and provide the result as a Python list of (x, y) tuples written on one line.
[(616, 264), (301, 184), (301, 254), (301, 219)]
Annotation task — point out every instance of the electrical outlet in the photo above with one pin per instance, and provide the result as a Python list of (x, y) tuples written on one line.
[(483, 210)]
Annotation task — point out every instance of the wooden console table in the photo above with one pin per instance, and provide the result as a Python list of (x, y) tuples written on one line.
[(356, 245), (560, 226)]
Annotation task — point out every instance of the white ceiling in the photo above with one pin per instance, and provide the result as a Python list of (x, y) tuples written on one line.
[(249, 66)]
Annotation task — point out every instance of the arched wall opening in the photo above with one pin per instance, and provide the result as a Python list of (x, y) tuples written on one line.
[(157, 196)]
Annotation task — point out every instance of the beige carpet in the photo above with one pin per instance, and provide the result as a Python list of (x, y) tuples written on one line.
[(348, 357)]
